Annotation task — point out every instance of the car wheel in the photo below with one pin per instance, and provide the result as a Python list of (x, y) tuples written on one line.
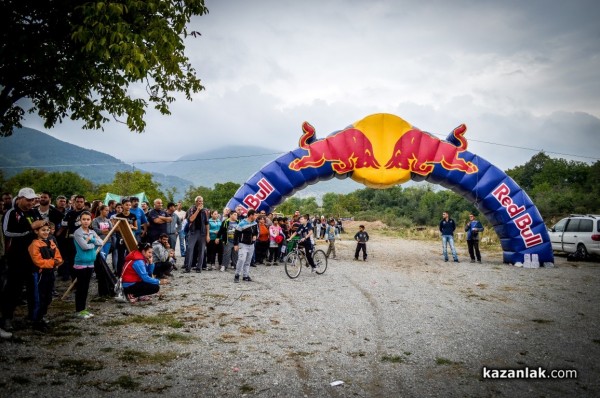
[(582, 250)]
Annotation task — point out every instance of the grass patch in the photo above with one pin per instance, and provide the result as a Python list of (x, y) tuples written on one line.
[(392, 359), (445, 361), (229, 338), (106, 349), (126, 382), (247, 330), (142, 357), (66, 330), (357, 354), (153, 320), (179, 338), (80, 367), (541, 321), (215, 295), (299, 354), (246, 388), (597, 341), (25, 359)]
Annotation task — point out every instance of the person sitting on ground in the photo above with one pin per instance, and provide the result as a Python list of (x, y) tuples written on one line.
[(161, 256), (138, 283)]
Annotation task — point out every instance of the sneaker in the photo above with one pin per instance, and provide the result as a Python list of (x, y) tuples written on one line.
[(4, 334), (446, 260), (187, 270), (313, 269), (222, 268), (247, 279), (456, 260), (236, 279), (268, 264), (479, 261), (198, 270), (131, 298), (472, 260), (83, 314)]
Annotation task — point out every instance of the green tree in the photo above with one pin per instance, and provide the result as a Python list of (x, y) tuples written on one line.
[(222, 193), (67, 183), (57, 183), (132, 182), (78, 59)]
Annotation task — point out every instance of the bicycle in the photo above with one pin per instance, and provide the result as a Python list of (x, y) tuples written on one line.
[(296, 259)]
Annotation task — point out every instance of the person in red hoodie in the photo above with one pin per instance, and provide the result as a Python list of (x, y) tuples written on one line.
[(137, 279)]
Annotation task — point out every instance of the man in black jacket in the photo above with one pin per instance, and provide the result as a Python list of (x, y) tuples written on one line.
[(19, 235), (447, 227)]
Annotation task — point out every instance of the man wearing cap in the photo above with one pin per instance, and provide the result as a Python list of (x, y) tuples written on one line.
[(140, 214), (19, 235)]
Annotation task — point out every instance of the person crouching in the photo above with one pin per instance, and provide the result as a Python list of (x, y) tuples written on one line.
[(138, 283), (161, 256)]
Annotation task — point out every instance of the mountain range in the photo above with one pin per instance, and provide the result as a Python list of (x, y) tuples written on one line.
[(30, 148)]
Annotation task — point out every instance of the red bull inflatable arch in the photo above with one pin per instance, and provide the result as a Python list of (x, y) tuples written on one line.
[(383, 150)]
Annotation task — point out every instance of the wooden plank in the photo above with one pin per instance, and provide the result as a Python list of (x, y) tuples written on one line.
[(126, 233)]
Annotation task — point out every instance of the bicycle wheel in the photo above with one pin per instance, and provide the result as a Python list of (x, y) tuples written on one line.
[(293, 265), (320, 259)]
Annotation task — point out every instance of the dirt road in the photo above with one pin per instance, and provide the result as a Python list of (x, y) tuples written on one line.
[(402, 324)]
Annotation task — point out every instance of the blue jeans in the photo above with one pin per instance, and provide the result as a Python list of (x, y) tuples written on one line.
[(445, 240), (182, 243)]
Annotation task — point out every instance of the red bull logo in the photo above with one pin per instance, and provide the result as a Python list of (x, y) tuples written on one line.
[(418, 152), (523, 221), (264, 190), (348, 149), (382, 136)]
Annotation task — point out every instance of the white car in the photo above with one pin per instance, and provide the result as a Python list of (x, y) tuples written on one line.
[(577, 233)]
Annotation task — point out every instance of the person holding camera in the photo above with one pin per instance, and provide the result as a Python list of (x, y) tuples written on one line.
[(473, 229)]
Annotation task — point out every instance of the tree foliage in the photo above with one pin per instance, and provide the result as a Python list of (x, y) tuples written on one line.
[(132, 182), (558, 186), (79, 59), (57, 183), (214, 198)]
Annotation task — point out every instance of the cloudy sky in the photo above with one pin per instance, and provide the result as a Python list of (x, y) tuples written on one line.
[(518, 73)]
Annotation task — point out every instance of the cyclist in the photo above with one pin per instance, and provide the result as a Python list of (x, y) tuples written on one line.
[(305, 231)]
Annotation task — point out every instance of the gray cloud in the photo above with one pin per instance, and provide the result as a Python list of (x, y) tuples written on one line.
[(519, 73)]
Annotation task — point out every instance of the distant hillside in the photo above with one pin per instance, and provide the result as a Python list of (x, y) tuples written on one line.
[(29, 148), (237, 164)]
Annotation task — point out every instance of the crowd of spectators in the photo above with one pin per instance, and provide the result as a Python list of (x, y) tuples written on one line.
[(71, 238)]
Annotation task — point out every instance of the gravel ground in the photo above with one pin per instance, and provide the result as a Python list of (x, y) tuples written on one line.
[(402, 324)]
